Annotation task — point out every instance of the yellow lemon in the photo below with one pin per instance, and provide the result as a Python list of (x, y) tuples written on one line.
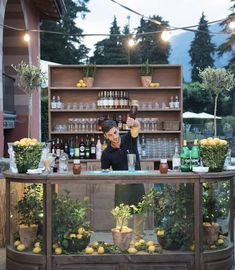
[(132, 250), (81, 230), (79, 236), (192, 247), (79, 85), (160, 233), (89, 250), (142, 241), (83, 85), (157, 84), (95, 244), (81, 81), (220, 241), (37, 250), (100, 250), (152, 84), (21, 247), (150, 243), (223, 142), (151, 249), (16, 243), (58, 250), (55, 246), (213, 246), (137, 244), (203, 141), (37, 244), (72, 235)]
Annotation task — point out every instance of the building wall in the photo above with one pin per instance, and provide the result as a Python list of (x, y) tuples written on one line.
[(20, 14)]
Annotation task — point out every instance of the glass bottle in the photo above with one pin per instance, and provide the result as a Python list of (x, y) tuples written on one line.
[(76, 166), (163, 166), (87, 149), (82, 149), (195, 157), (143, 147), (63, 163), (53, 103), (76, 148), (93, 148), (71, 149), (185, 158), (98, 149), (176, 160)]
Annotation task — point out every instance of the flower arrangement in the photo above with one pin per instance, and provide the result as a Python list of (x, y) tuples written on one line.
[(27, 154), (213, 152)]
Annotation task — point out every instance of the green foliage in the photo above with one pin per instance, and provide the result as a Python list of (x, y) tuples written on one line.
[(30, 207), (174, 214), (152, 47), (44, 118), (89, 70), (122, 214), (145, 69), (29, 77), (65, 49), (201, 50), (215, 201), (146, 204), (67, 215), (229, 119)]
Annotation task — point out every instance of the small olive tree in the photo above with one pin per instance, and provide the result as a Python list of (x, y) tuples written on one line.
[(29, 79), (216, 80)]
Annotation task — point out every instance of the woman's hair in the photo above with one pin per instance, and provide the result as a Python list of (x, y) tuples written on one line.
[(107, 125)]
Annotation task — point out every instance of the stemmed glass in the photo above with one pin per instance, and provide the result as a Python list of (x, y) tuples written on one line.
[(47, 161)]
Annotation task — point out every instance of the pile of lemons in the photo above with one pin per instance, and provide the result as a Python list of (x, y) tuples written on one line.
[(21, 247), (154, 84), (81, 83), (212, 142), (146, 246)]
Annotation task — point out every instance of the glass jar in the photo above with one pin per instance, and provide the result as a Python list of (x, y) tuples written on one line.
[(76, 166), (163, 166)]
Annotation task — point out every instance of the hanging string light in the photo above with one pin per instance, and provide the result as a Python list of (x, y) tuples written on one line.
[(166, 35), (26, 36)]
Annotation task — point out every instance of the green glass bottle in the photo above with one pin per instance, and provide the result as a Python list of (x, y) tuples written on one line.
[(185, 158), (195, 157)]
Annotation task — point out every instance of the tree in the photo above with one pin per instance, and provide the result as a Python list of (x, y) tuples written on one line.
[(152, 46), (66, 49), (110, 50), (216, 81), (201, 50)]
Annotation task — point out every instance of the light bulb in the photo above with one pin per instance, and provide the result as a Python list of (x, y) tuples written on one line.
[(131, 42), (166, 35), (231, 27), (26, 37)]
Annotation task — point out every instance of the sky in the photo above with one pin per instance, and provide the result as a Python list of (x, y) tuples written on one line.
[(179, 13)]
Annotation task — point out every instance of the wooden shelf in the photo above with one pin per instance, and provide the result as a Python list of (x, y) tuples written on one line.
[(137, 88), (121, 132), (112, 110)]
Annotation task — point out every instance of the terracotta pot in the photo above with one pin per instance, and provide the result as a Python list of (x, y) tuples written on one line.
[(146, 80), (89, 81), (210, 233), (28, 234), (122, 239)]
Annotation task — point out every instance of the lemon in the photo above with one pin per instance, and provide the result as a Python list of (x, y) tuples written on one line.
[(83, 85), (81, 230), (37, 250), (213, 246), (79, 236), (157, 84), (21, 247), (72, 235), (160, 233), (132, 250), (220, 241), (58, 250), (150, 243), (151, 249), (137, 244), (81, 81), (100, 250), (89, 250), (192, 247), (79, 85), (55, 246), (152, 84), (16, 243), (142, 241), (95, 244), (37, 244)]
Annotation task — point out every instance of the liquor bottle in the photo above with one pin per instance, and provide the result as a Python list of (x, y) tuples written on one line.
[(82, 149), (104, 145), (121, 101), (101, 100), (176, 103), (176, 160), (76, 148), (53, 148), (71, 149), (116, 101), (98, 149), (195, 157), (66, 148), (105, 101), (185, 158), (57, 147), (58, 103), (98, 101), (61, 145), (124, 125), (171, 103), (111, 100), (53, 103), (134, 108), (93, 148), (119, 122), (143, 147), (87, 149)]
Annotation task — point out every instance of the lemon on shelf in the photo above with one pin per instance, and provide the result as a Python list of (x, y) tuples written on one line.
[(21, 247), (58, 251), (154, 84), (37, 250), (81, 83)]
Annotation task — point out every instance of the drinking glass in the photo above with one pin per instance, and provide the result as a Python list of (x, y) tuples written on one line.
[(131, 161)]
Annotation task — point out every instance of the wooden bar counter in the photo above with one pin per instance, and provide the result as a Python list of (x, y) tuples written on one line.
[(198, 259)]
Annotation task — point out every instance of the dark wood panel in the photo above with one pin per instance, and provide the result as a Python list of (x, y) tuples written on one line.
[(226, 264), (12, 265), (164, 266), (87, 266)]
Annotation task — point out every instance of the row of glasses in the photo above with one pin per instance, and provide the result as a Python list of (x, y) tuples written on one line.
[(150, 124), (153, 105), (82, 124), (161, 147), (80, 106)]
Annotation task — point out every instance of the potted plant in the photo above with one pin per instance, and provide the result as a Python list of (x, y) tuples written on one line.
[(27, 154), (70, 225), (30, 210), (216, 80), (89, 73), (146, 74), (122, 234), (29, 79)]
